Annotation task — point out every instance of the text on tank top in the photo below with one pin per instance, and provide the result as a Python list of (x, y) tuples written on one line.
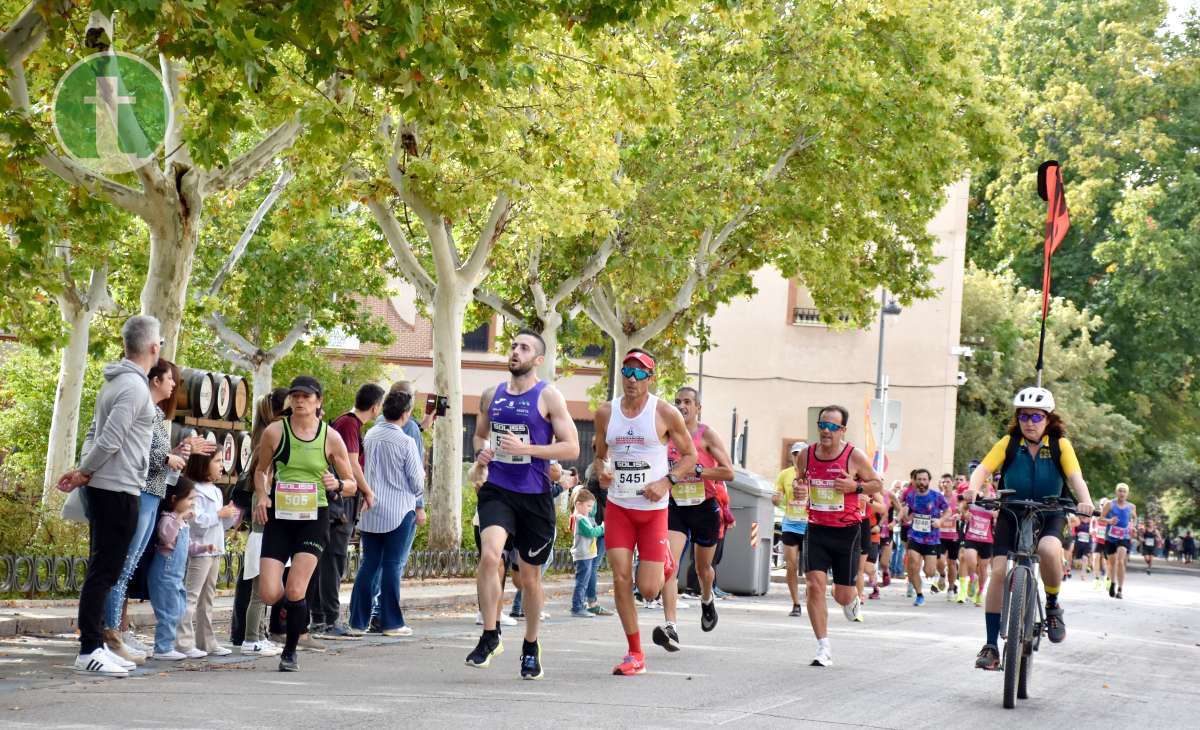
[(297, 490), (826, 504), (519, 416), (692, 490), (637, 454), (979, 524)]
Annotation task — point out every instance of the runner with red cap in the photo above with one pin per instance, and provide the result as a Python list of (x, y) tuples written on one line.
[(631, 463)]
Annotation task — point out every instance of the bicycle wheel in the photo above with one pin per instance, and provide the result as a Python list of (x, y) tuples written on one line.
[(1027, 647), (1015, 642)]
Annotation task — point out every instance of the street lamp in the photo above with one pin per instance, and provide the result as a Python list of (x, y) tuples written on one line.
[(886, 307)]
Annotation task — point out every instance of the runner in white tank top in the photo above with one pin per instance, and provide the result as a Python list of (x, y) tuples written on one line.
[(637, 456)]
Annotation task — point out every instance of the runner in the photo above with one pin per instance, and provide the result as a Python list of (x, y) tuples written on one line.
[(1037, 461), (1081, 555), (522, 425), (977, 546), (1151, 540), (1120, 515), (637, 427), (870, 547), (948, 534), (1100, 550), (835, 474), (292, 482), (693, 515), (925, 508), (795, 522)]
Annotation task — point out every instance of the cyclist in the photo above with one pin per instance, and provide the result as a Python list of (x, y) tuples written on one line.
[(1036, 461)]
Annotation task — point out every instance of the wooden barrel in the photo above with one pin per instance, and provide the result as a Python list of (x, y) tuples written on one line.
[(244, 452), (241, 397), (179, 432), (224, 405), (227, 451), (197, 393)]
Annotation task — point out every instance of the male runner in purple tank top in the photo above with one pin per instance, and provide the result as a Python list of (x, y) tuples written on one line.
[(522, 425)]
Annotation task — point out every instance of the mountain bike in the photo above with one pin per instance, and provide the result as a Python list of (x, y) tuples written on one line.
[(1023, 615)]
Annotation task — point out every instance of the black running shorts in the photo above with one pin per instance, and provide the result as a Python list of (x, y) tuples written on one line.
[(700, 522), (792, 539), (929, 551), (950, 548), (1110, 547), (284, 538), (983, 548), (528, 518), (832, 548)]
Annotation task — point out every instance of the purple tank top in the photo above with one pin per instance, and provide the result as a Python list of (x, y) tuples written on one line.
[(519, 415)]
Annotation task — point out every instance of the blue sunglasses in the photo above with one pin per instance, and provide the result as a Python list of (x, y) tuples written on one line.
[(829, 426), (633, 373)]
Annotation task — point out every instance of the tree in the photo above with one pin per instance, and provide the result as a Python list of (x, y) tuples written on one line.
[(1001, 320)]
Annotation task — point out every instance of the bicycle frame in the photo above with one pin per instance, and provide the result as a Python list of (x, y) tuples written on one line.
[(1025, 559)]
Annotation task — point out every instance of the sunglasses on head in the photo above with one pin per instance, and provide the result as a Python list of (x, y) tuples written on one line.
[(829, 426), (634, 373), (1031, 417)]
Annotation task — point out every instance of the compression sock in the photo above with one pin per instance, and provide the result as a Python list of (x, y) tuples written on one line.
[(993, 628), (297, 624), (635, 642), (1051, 596)]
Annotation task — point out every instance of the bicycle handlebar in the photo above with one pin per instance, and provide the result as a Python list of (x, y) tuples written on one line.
[(1047, 504)]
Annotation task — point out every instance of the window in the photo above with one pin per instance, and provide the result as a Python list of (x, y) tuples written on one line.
[(338, 339), (478, 339), (801, 310), (814, 414)]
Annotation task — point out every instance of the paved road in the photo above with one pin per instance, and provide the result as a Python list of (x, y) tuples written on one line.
[(1133, 661)]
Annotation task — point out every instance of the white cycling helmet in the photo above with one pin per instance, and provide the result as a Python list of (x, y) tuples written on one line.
[(1034, 397)]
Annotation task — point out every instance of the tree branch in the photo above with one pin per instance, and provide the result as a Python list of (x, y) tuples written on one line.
[(506, 309), (244, 168), (540, 303), (488, 235), (285, 177), (98, 298), (29, 30), (402, 250), (290, 339), (233, 340), (595, 264)]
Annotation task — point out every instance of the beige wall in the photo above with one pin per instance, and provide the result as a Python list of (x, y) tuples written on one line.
[(772, 371)]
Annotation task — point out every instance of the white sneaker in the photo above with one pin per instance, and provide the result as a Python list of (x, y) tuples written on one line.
[(261, 648), (168, 656), (682, 604), (479, 619), (853, 612), (100, 662), (824, 657), (543, 615), (505, 620), (402, 631), (219, 650), (118, 660), (134, 645), (195, 653)]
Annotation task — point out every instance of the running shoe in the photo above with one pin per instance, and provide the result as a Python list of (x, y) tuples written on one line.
[(260, 648), (100, 662), (582, 613), (962, 596), (666, 637), (718, 593), (1096, 584), (853, 611), (1112, 589), (708, 615), (516, 613), (531, 661), (795, 610), (341, 632), (887, 579), (481, 656), (951, 594), (195, 653), (398, 631), (506, 620), (1056, 629), (920, 600), (633, 663), (824, 657), (988, 658), (874, 594), (978, 601), (168, 656), (134, 644), (933, 587), (598, 610), (219, 650), (112, 642), (1119, 593), (287, 663), (308, 643), (908, 590)]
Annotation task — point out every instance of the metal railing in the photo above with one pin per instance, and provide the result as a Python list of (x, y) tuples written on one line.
[(811, 316), (34, 575)]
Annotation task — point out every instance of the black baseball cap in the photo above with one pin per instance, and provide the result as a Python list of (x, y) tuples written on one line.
[(305, 384)]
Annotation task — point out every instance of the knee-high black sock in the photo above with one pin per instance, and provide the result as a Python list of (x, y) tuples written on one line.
[(297, 623)]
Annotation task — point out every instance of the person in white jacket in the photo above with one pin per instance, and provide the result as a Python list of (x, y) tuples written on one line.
[(210, 517)]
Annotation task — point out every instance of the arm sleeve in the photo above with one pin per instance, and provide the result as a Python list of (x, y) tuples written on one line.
[(111, 437), (587, 528), (995, 458), (1070, 462), (414, 469), (206, 511), (168, 532), (196, 548)]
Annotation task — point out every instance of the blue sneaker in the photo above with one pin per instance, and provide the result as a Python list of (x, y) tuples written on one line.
[(920, 600)]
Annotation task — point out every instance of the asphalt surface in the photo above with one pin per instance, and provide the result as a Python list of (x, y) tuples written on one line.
[(1124, 662)]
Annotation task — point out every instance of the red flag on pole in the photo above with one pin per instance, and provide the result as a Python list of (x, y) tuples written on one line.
[(1050, 188)]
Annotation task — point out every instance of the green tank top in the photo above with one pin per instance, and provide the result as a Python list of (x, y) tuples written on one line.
[(297, 460)]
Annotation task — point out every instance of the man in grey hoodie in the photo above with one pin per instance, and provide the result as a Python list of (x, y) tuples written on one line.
[(112, 469)]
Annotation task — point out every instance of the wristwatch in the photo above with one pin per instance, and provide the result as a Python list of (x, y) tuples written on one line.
[(699, 470), (340, 487), (858, 489), (672, 479)]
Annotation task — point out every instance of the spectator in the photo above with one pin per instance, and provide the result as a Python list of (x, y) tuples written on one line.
[(168, 567), (593, 486), (112, 469), (583, 550), (394, 464), (323, 599), (195, 633), (1189, 547), (163, 470), (245, 628)]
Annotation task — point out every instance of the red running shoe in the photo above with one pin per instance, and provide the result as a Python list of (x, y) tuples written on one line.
[(874, 593), (632, 664), (887, 579)]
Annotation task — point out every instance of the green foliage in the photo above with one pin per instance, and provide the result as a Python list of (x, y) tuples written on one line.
[(1175, 477)]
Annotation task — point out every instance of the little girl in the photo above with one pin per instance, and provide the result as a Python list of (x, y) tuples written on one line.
[(583, 550), (168, 565), (196, 637)]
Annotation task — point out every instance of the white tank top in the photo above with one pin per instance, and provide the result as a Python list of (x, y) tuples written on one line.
[(637, 456)]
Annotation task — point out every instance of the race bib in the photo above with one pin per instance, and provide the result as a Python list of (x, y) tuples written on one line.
[(520, 430), (1149, 542), (1101, 530), (630, 478), (980, 527), (1084, 537), (688, 493), (295, 501), (797, 510), (1117, 533), (824, 496), (922, 523)]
